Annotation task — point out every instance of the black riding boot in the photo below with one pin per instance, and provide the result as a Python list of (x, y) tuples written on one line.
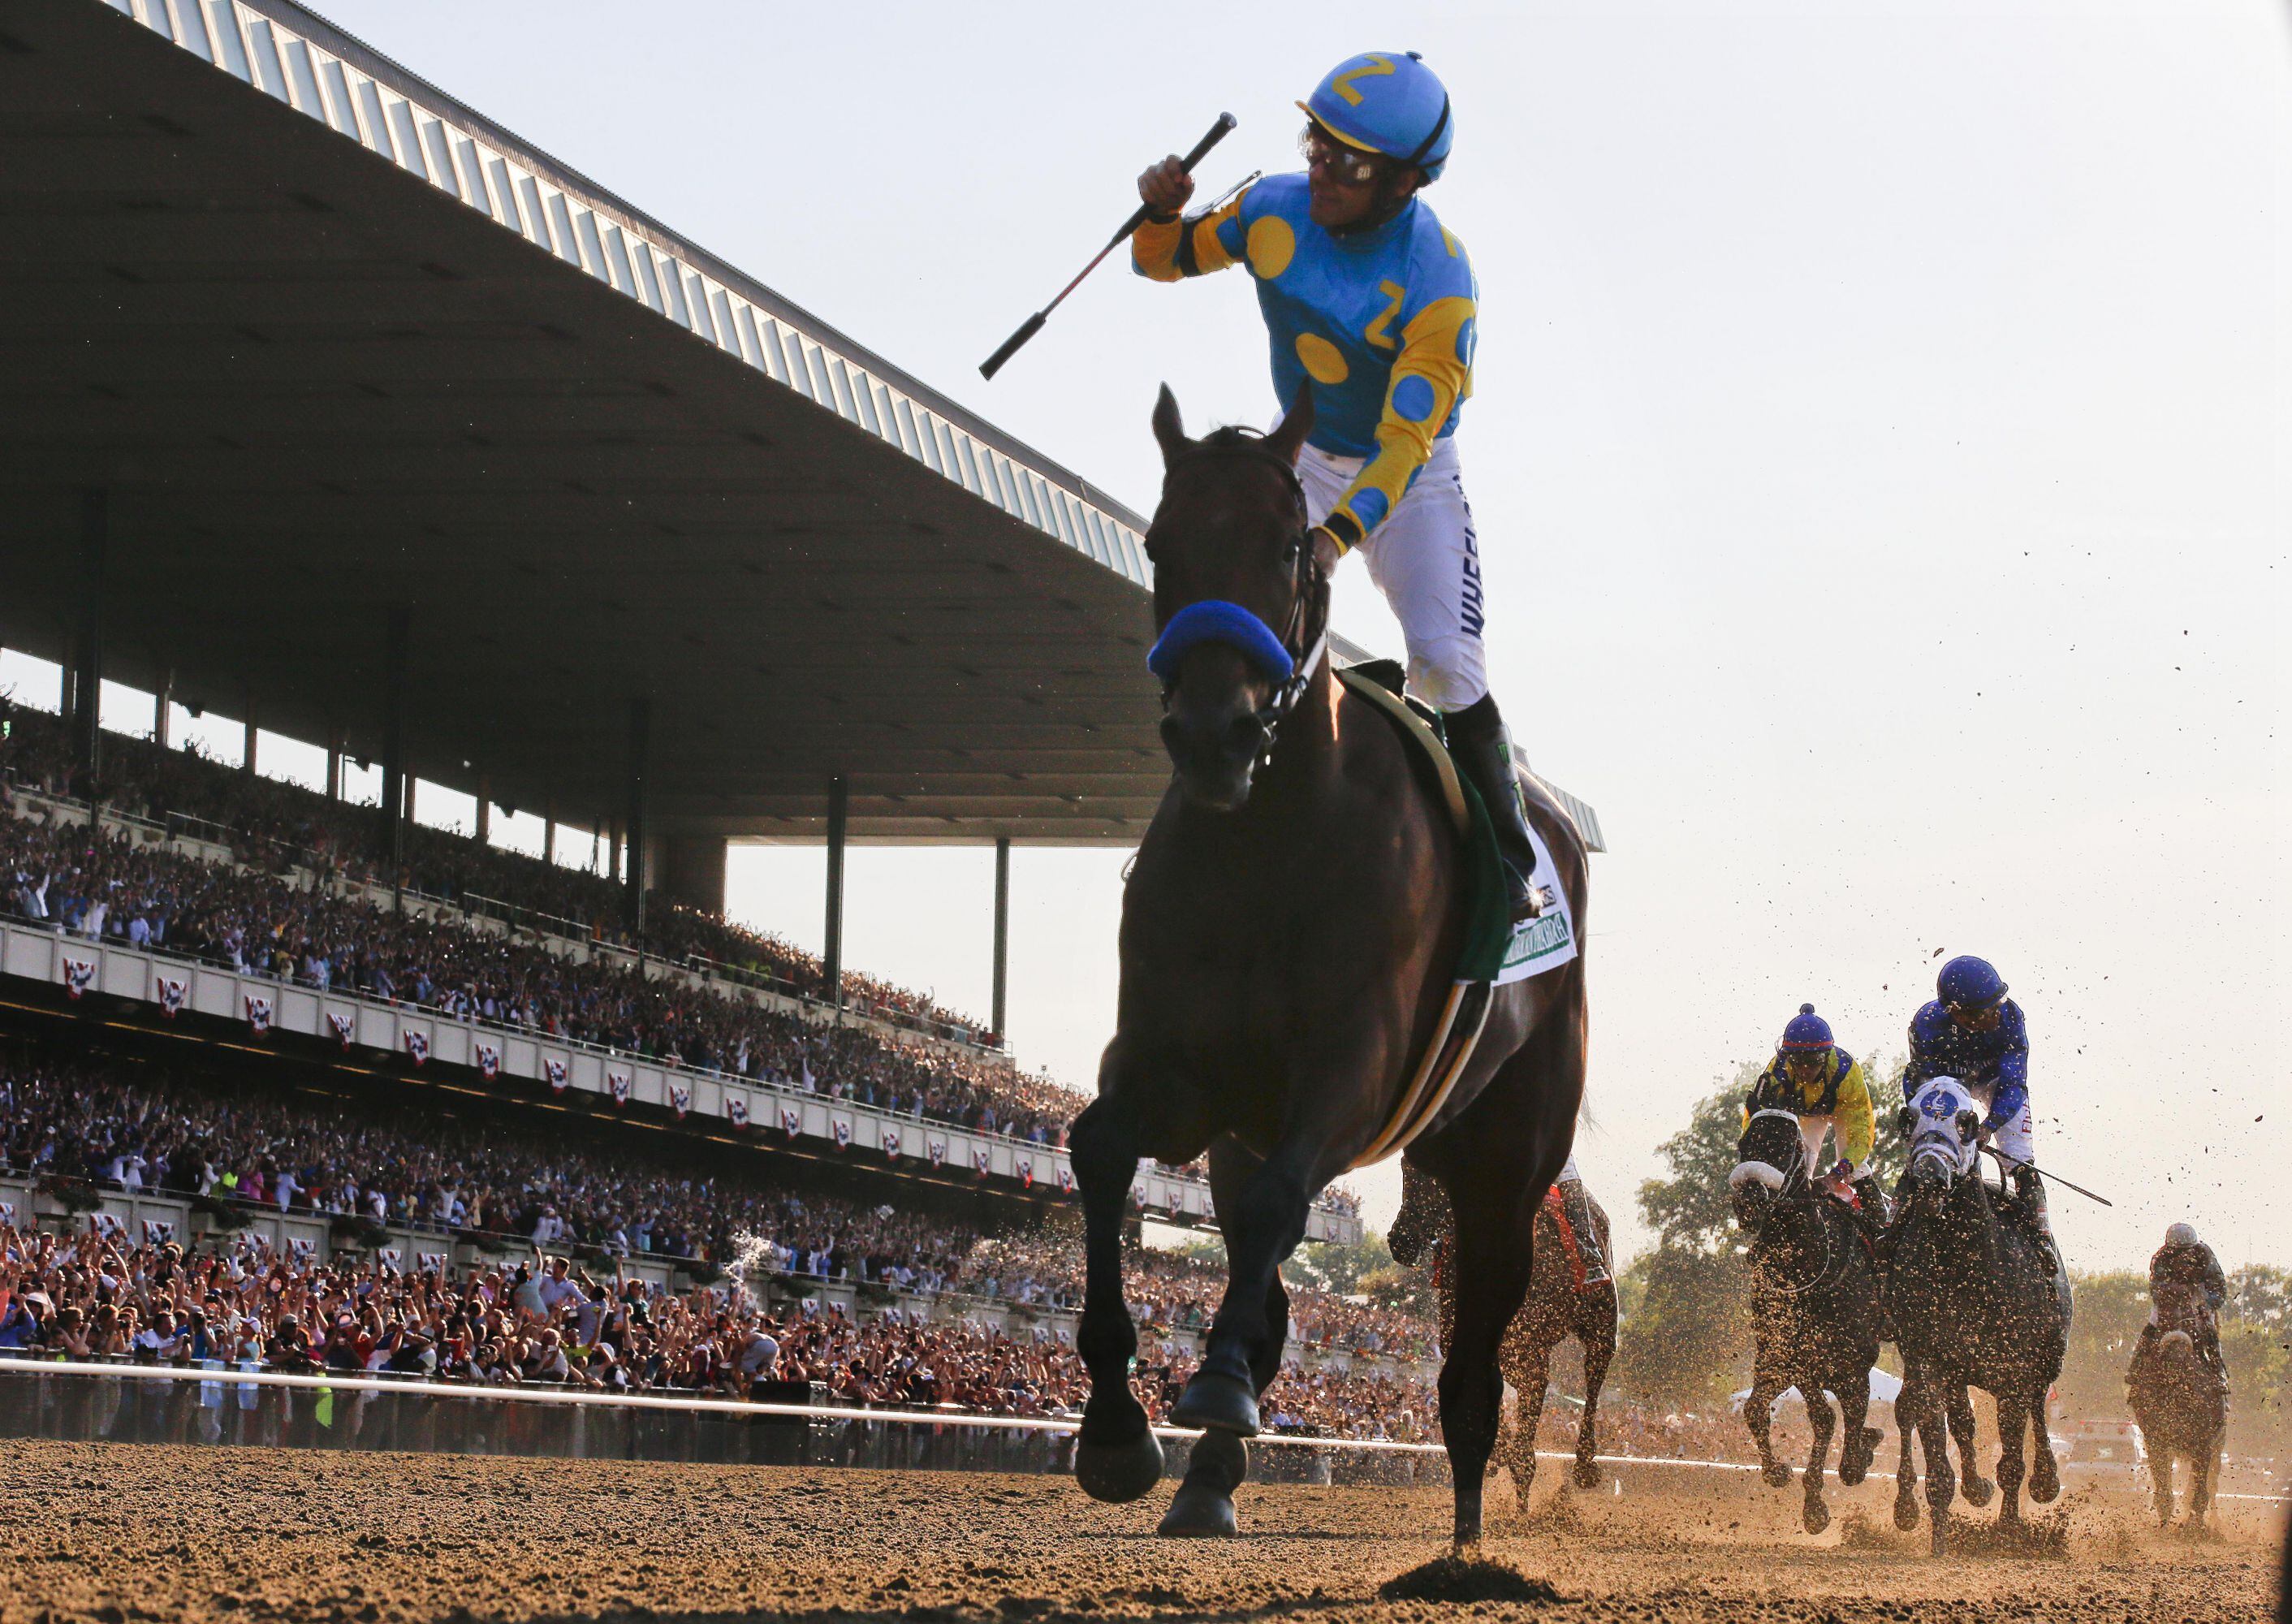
[(1482, 749), (1578, 1201), (2029, 1190)]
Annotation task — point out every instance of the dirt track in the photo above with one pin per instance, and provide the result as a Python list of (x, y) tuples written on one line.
[(118, 1533)]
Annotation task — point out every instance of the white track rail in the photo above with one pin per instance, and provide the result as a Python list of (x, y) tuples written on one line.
[(813, 1412)]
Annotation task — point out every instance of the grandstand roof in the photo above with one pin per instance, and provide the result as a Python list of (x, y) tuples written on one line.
[(332, 340)]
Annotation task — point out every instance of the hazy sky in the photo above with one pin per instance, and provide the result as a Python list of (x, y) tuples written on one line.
[(1879, 449)]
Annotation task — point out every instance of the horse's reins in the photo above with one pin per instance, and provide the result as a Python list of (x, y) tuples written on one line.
[(1304, 581)]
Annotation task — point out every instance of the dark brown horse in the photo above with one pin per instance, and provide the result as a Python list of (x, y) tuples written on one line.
[(2181, 1410), (1288, 937), (1558, 1307)]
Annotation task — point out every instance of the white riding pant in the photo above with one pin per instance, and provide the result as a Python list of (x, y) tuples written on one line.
[(1812, 1132), (1426, 559), (1568, 1175), (2017, 1137)]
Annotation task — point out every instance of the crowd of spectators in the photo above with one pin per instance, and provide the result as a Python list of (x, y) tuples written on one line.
[(424, 1172), (97, 883), (270, 823)]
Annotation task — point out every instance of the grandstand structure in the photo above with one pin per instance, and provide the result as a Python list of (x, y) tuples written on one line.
[(328, 403)]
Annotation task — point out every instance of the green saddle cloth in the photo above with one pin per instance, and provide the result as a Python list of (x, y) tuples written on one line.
[(1488, 925)]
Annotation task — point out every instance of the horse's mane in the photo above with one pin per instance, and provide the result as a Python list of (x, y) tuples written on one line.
[(1230, 437)]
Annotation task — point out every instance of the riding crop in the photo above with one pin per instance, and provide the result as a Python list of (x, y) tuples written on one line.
[(1033, 325), (2003, 1161)]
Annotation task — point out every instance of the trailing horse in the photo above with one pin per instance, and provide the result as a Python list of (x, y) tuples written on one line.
[(1814, 1307), (1559, 1306), (1290, 932), (1979, 1302), (2179, 1406)]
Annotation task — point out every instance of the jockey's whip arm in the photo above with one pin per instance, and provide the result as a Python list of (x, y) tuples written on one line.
[(2003, 1161), (1033, 325)]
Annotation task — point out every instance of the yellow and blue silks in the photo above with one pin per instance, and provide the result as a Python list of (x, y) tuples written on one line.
[(1382, 322)]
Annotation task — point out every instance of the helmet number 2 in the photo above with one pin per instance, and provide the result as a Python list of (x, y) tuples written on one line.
[(1372, 69)]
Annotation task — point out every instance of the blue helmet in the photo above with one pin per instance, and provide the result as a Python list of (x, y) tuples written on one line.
[(1967, 982), (1807, 1034), (1387, 101)]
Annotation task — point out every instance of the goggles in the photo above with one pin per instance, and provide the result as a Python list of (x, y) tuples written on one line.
[(1978, 1016), (1349, 165), (1806, 1060)]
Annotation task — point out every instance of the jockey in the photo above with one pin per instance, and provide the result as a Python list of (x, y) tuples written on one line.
[(1973, 1032), (1371, 303), (1575, 1204), (1823, 1085), (2184, 1266)]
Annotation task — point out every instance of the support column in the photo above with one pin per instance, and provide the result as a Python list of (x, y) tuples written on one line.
[(85, 678), (839, 811), (163, 706), (333, 764), (397, 784), (640, 754), (549, 835), (613, 848), (1002, 935), (247, 755), (485, 809), (692, 872)]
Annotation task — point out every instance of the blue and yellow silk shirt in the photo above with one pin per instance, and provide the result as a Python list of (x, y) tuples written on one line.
[(1382, 322)]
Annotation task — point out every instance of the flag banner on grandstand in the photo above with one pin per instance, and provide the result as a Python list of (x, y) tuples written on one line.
[(1066, 1179), (430, 1260), (558, 1073), (78, 974), (1026, 1171), (258, 1012), (417, 1044), (616, 1083), (111, 1226), (488, 1060), (302, 1249), (841, 1127), (344, 1024), (736, 1107), (936, 1149), (791, 1119), (170, 991), (680, 1097), (891, 1143), (158, 1232), (979, 1160), (390, 1257)]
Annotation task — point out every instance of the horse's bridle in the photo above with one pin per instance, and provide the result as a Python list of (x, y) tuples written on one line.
[(1307, 586)]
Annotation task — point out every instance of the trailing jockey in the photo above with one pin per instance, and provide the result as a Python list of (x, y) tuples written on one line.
[(1571, 1205), (1371, 304), (2186, 1284), (1823, 1085), (1971, 1030)]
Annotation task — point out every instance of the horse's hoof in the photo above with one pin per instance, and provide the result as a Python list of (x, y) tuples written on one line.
[(1977, 1491), (1940, 1546), (1215, 1402), (1817, 1516), (1851, 1473), (2044, 1487), (1906, 1512), (1587, 1475), (1118, 1472), (1776, 1474), (1198, 1511)]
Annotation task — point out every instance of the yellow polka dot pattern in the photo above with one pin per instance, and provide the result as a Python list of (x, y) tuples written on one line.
[(1324, 362), (1271, 244)]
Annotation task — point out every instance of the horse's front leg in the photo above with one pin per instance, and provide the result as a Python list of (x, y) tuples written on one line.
[(1116, 1456), (1495, 1259), (1976, 1488), (2160, 1483), (1861, 1439), (2044, 1470), (1758, 1414), (1525, 1361), (1815, 1516), (1596, 1329), (2204, 1462), (2013, 1427)]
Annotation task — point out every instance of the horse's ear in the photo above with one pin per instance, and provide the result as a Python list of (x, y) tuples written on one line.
[(1969, 1123), (1169, 428), (1905, 1121), (1296, 423)]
